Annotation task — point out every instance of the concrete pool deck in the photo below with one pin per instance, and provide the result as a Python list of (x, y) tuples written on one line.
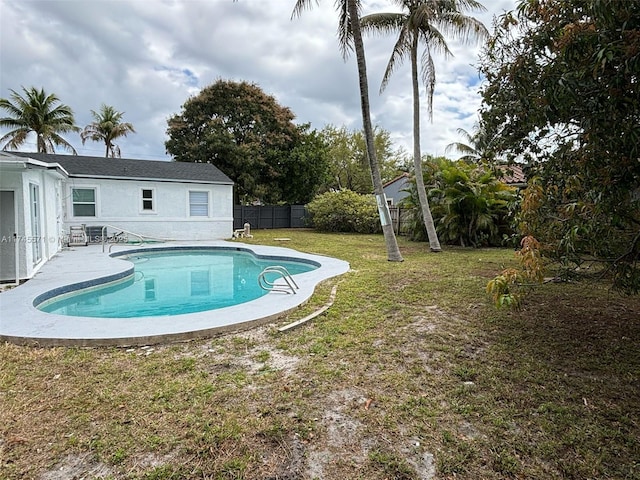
[(22, 323)]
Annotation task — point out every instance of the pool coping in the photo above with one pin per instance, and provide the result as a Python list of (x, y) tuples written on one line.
[(22, 323)]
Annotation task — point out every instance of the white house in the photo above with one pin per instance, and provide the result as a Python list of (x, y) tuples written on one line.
[(43, 195)]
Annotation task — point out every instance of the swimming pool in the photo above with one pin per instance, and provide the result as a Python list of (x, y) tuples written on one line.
[(175, 282), (86, 268)]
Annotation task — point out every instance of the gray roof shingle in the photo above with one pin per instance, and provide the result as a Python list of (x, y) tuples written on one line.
[(129, 169)]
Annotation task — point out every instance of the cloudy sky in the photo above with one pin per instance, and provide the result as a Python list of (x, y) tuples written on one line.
[(147, 57)]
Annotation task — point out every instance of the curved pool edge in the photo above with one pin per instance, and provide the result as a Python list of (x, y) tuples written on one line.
[(21, 323), (144, 339)]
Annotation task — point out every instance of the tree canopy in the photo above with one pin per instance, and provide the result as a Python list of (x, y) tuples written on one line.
[(39, 113), (347, 157), (251, 138), (562, 95)]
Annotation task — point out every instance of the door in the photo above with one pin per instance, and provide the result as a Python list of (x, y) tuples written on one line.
[(7, 235)]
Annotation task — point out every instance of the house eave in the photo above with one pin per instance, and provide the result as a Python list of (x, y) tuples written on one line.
[(149, 179), (20, 164)]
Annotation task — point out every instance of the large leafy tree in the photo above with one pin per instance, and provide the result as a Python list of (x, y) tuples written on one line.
[(39, 113), (244, 132), (305, 170), (350, 36), (421, 22), (106, 127), (563, 94), (347, 157)]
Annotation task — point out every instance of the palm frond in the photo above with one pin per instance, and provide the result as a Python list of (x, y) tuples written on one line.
[(429, 78), (383, 23), (300, 6), (462, 27), (345, 34), (401, 49)]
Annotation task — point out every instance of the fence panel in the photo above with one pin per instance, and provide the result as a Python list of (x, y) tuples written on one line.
[(399, 219), (282, 216), (293, 216), (298, 214), (265, 217), (269, 216)]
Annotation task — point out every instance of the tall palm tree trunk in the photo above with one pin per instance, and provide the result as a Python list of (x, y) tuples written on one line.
[(434, 243), (393, 252)]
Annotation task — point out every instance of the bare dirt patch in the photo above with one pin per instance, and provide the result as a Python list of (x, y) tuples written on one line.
[(75, 467)]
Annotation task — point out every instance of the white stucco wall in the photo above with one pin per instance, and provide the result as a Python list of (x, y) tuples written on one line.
[(49, 238), (119, 203), (51, 234)]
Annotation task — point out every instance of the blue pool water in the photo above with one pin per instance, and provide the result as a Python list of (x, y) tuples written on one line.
[(174, 283)]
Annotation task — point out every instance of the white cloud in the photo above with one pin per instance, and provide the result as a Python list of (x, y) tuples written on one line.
[(147, 58)]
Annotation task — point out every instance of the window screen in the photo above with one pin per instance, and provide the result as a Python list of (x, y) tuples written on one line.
[(199, 204)]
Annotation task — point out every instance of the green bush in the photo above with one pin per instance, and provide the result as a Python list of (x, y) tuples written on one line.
[(344, 211), (469, 204)]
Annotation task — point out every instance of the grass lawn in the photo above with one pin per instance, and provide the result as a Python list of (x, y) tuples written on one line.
[(411, 374)]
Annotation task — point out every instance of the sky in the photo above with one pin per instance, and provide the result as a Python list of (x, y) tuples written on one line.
[(147, 57)]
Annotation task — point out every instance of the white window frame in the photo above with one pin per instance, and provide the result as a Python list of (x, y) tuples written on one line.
[(35, 210), (190, 204), (95, 200), (152, 199)]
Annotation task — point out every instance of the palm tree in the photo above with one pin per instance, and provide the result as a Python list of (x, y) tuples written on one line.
[(39, 113), (473, 204), (419, 21), (349, 35), (106, 127), (475, 147)]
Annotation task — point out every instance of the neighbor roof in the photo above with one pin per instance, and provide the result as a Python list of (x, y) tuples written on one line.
[(404, 176), (513, 175), (128, 169)]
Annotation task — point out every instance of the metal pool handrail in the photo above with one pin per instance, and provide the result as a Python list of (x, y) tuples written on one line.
[(122, 230), (265, 284)]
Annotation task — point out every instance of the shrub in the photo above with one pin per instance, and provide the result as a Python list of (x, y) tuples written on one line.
[(470, 206), (344, 211)]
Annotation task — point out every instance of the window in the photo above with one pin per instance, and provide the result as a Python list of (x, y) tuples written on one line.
[(147, 200), (84, 202), (198, 204), (34, 192)]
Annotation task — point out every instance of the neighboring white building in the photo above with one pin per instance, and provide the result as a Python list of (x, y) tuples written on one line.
[(43, 195)]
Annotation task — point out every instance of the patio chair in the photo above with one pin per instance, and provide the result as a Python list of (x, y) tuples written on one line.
[(77, 237)]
